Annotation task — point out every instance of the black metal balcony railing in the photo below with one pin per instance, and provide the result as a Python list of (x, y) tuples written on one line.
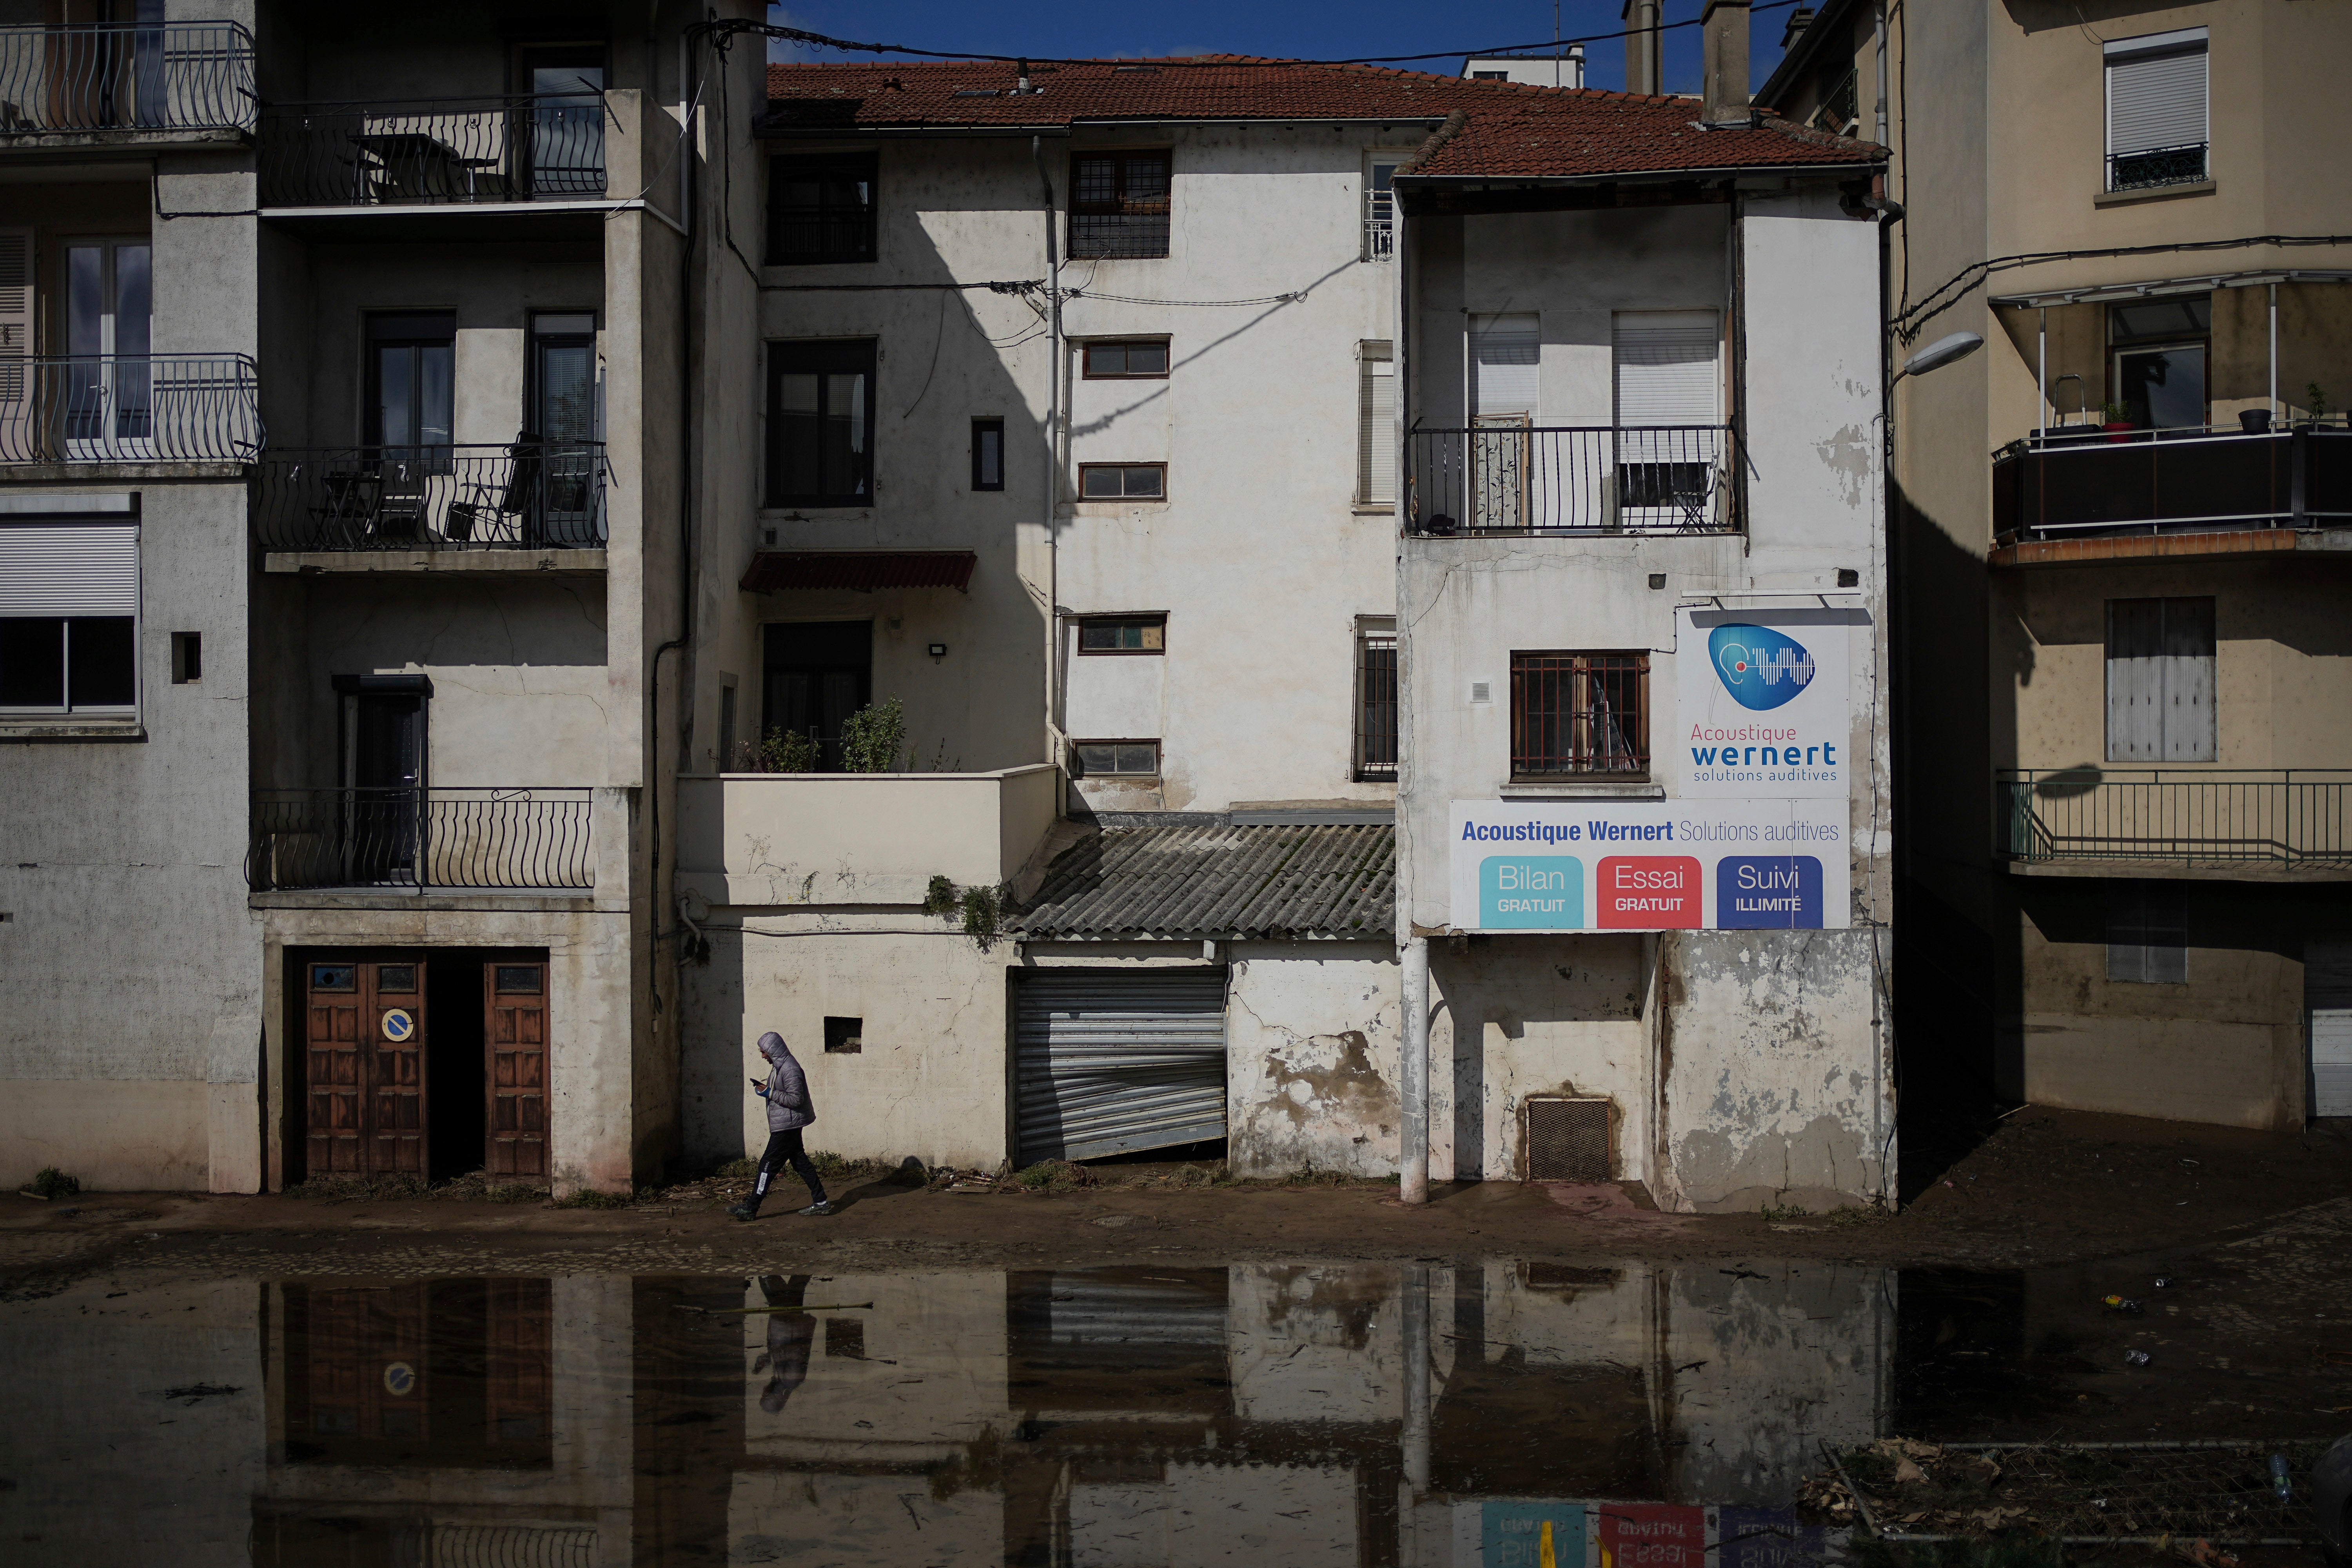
[(145, 408), (420, 839), (1505, 480), (2075, 481), (125, 76), (531, 495), (434, 152), (2181, 164), (2298, 816)]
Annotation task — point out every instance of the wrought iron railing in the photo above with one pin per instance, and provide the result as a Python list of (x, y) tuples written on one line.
[(420, 839), (2081, 480), (2181, 164), (1504, 479), (434, 152), (125, 76), (129, 408), (2294, 817), (530, 495)]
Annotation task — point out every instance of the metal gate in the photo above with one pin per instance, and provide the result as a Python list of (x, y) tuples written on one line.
[(2327, 994), (1109, 1062)]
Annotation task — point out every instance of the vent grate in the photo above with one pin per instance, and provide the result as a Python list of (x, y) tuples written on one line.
[(1568, 1139)]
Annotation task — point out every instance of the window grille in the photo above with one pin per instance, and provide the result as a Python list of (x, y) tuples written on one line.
[(820, 210), (1376, 706), (1118, 206), (1579, 713), (1380, 211)]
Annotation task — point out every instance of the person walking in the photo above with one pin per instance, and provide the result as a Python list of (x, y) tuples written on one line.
[(790, 1108)]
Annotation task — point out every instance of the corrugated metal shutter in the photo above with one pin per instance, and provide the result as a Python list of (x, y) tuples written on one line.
[(69, 569), (1506, 365), (1109, 1062), (1376, 442), (2327, 991), (1666, 371), (2156, 100)]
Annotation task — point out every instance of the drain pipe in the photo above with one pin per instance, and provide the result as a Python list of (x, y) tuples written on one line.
[(1412, 1164), (1053, 748)]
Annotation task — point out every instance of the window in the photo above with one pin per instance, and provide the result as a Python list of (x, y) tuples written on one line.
[(725, 759), (2147, 934), (2160, 680), (988, 453), (1142, 360), (1117, 759), (110, 412), (1118, 205), (1376, 434), (1380, 203), (187, 657), (820, 423), (1123, 633), (2156, 109), (1376, 699), (411, 387), (68, 617), (1576, 713), (820, 209), (2159, 354), (845, 1037), (1122, 481), (562, 145)]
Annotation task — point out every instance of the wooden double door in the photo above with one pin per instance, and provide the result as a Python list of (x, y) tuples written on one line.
[(369, 1063)]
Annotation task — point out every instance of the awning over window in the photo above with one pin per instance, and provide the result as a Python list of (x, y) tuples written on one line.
[(774, 571)]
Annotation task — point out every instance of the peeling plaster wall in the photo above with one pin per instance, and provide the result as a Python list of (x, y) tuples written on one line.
[(1312, 1031)]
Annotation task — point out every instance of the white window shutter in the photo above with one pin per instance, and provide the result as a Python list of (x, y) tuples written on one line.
[(69, 569), (2134, 681), (1667, 367), (1376, 442), (2156, 100), (16, 314), (2188, 663), (1506, 366)]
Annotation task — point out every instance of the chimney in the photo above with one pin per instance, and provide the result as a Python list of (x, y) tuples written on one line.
[(1722, 33), (1799, 20), (1643, 55)]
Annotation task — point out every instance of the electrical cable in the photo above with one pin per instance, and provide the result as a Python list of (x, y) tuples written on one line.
[(1908, 324)]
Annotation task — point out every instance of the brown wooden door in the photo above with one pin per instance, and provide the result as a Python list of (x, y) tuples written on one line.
[(514, 998), (364, 1067)]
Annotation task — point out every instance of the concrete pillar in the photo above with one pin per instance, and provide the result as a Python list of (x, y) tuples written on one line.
[(1416, 1362), (1722, 33), (1412, 1076), (1644, 48)]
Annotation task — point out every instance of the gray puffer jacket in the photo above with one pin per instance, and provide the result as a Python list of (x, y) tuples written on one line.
[(789, 1105)]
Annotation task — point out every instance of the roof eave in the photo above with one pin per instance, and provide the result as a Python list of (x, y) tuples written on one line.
[(1458, 182)]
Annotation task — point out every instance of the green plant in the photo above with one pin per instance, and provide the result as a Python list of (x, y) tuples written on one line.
[(1053, 1176), (746, 1166), (52, 1183), (1793, 1211), (871, 737), (940, 897), (2316, 396), (2115, 412), (980, 916), (781, 751)]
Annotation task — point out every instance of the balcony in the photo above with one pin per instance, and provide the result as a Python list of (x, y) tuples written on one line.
[(530, 495), (430, 153), (2150, 167), (2085, 481), (136, 82), (147, 408), (2259, 822), (858, 838), (421, 840), (1535, 481)]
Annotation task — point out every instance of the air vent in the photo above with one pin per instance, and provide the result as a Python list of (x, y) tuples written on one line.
[(977, 92), (1567, 1140)]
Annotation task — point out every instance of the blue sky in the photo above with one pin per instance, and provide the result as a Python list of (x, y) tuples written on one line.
[(1314, 29)]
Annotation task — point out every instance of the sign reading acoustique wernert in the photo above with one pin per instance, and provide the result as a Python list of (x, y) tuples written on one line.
[(1612, 865), (1762, 709)]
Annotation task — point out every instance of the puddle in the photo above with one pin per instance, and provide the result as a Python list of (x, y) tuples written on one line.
[(1532, 1414)]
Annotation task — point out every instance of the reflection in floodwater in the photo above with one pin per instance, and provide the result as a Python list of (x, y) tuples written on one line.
[(1367, 1415)]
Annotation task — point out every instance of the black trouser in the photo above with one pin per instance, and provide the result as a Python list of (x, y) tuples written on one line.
[(782, 1147)]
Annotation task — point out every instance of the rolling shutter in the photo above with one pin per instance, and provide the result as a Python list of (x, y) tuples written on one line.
[(68, 569), (2156, 96), (1666, 371), (1376, 455), (1107, 1062), (2327, 993), (15, 337)]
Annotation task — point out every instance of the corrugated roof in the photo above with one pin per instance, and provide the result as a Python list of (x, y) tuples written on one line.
[(1216, 879), (1508, 129)]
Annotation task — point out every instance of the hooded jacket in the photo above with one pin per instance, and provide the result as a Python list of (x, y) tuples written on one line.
[(789, 1105)]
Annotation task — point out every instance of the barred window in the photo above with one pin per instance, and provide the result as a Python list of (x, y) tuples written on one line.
[(1376, 701), (820, 209), (1579, 713), (1118, 205)]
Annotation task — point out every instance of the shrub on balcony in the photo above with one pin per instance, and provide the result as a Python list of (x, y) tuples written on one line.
[(871, 738), (782, 751)]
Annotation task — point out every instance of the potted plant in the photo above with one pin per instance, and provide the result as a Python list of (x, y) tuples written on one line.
[(2316, 395), (2118, 424)]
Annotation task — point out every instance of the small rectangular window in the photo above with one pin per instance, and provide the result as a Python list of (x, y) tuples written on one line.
[(845, 1037), (187, 657), (820, 209), (2147, 934), (1118, 205), (1376, 434), (1117, 759), (1122, 481), (2157, 94), (1123, 633), (334, 978), (988, 453), (1579, 713), (2160, 658), (400, 977), (1376, 701), (1135, 360), (519, 979), (820, 422)]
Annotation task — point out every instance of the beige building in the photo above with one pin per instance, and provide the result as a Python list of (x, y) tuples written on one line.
[(2120, 542)]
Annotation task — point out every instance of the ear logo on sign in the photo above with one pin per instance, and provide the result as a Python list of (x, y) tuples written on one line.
[(398, 1025), (1761, 668)]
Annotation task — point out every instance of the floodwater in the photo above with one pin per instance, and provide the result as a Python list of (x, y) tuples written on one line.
[(1430, 1414)]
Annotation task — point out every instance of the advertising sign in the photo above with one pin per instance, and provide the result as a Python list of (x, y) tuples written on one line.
[(1762, 704), (1651, 1535), (1532, 1536), (1670, 865)]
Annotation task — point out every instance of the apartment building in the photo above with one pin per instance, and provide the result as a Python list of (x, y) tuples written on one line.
[(2121, 533), (340, 473)]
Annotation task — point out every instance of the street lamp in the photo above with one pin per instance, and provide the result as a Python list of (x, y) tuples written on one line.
[(1939, 354)]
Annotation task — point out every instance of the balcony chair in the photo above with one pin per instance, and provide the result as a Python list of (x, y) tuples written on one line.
[(350, 511)]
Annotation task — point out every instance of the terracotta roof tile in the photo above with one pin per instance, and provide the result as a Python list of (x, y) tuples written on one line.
[(1480, 129)]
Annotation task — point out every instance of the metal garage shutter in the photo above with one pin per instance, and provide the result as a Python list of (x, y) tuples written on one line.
[(2327, 993), (1109, 1062)]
